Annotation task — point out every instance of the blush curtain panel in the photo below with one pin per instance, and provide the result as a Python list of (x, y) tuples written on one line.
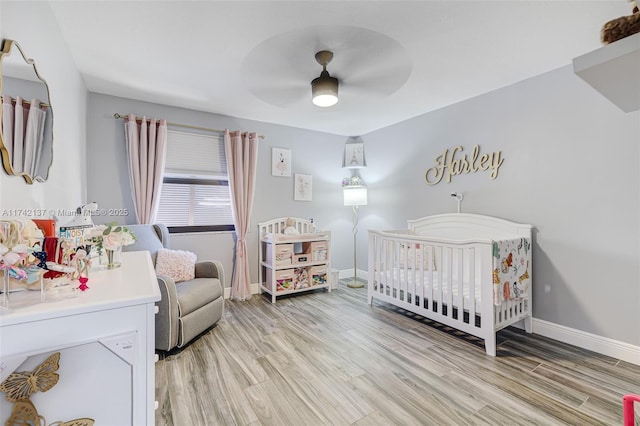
[(146, 141), (23, 125), (241, 151)]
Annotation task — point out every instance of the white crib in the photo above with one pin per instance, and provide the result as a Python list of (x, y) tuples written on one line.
[(467, 271)]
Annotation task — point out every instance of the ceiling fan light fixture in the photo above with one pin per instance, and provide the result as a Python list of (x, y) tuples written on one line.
[(324, 89)]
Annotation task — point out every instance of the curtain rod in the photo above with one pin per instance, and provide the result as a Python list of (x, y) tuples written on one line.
[(116, 115), (42, 104)]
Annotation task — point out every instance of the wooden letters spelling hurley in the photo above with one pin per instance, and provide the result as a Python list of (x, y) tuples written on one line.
[(449, 165)]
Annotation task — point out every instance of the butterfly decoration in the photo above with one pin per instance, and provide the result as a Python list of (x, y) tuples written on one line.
[(23, 384), (77, 422), (25, 413)]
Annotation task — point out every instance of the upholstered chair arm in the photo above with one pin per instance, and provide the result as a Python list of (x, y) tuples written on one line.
[(167, 316), (210, 269)]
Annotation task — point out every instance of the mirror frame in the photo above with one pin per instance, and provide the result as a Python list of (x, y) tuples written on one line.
[(7, 45)]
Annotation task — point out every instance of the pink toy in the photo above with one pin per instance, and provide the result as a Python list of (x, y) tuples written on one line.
[(627, 409)]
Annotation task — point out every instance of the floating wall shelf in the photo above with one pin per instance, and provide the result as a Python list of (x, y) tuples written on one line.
[(614, 71)]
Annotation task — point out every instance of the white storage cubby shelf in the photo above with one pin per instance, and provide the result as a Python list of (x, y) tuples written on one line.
[(293, 262)]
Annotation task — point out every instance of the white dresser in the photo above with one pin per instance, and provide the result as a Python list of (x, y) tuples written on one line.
[(105, 337)]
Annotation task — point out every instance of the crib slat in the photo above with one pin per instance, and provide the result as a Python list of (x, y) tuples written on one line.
[(420, 275), (458, 296), (448, 285), (437, 286), (472, 286)]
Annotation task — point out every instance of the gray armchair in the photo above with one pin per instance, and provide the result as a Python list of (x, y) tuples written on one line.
[(188, 308)]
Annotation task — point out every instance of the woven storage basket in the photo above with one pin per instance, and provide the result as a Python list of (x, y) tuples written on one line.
[(620, 28)]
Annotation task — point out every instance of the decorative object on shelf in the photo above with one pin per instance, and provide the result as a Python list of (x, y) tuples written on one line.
[(280, 162), (21, 385), (28, 154), (355, 196), (354, 180), (108, 241), (622, 27), (324, 89), (290, 226), (302, 187)]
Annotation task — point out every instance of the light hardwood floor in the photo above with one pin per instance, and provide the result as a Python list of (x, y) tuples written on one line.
[(330, 359)]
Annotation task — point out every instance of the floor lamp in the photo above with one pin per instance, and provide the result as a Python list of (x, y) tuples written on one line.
[(355, 196)]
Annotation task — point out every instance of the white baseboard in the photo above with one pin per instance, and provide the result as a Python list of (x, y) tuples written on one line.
[(602, 345), (255, 289), (348, 273)]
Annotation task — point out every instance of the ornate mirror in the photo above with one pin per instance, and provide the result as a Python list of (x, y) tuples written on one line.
[(26, 117)]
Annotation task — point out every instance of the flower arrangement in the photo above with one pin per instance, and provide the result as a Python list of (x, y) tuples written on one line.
[(111, 236)]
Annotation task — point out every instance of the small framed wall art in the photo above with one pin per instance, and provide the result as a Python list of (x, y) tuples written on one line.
[(281, 162), (302, 187), (354, 156)]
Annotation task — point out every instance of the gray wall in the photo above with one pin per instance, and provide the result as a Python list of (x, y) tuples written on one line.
[(570, 169), (65, 187), (314, 153)]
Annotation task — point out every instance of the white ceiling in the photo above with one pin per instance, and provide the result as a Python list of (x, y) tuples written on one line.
[(394, 59)]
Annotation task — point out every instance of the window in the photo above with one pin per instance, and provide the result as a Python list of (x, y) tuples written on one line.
[(195, 193)]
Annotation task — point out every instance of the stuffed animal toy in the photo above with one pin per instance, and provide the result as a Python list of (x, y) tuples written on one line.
[(290, 227), (620, 28)]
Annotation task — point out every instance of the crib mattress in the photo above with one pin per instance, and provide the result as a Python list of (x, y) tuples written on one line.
[(395, 279)]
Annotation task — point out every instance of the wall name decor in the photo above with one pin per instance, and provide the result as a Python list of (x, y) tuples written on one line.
[(447, 164)]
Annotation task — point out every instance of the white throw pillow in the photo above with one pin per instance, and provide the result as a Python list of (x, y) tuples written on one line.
[(177, 264)]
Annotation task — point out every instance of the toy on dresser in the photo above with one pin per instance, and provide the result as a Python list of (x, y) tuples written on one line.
[(34, 259)]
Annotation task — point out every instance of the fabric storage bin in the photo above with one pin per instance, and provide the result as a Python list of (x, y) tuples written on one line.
[(285, 280), (283, 255), (318, 275), (319, 250), (302, 278)]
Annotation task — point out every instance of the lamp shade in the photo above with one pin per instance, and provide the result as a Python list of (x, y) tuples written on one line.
[(355, 195), (324, 90)]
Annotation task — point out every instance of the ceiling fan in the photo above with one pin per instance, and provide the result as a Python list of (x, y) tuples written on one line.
[(364, 64), (324, 89)]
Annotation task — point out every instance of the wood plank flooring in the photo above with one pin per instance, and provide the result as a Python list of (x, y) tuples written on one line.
[(330, 359)]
